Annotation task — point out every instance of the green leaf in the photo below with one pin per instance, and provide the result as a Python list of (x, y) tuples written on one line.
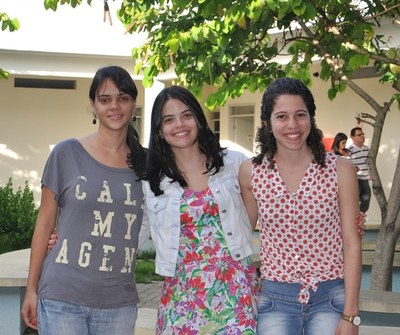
[(185, 42), (397, 97), (271, 4), (138, 67), (310, 12), (341, 87), (387, 77), (283, 8), (147, 81), (196, 31), (16, 24), (4, 74), (325, 73), (256, 8), (358, 61), (173, 45), (300, 9), (332, 93)]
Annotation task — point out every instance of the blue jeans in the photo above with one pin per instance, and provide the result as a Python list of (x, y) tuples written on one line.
[(62, 318), (280, 312)]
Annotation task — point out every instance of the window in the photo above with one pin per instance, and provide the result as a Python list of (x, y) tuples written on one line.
[(241, 126), (215, 123), (45, 83), (139, 121)]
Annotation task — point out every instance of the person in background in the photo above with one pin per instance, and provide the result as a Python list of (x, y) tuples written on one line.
[(339, 145), (306, 203), (198, 223), (91, 192), (359, 153)]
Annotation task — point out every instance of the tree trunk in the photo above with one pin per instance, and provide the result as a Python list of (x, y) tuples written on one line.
[(382, 267)]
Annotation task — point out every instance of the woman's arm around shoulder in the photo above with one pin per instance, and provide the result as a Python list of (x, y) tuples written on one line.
[(250, 203)]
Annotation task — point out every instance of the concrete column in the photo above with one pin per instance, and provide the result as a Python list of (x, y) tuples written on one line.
[(150, 95)]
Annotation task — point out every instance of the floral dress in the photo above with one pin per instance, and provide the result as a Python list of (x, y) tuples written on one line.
[(210, 293)]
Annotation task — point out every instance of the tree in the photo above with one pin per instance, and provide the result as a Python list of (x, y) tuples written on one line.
[(17, 217), (233, 46)]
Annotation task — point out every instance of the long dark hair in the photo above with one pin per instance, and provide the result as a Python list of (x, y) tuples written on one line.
[(124, 82), (160, 158), (265, 140)]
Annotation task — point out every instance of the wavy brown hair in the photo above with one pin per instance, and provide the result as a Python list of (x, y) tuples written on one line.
[(265, 139)]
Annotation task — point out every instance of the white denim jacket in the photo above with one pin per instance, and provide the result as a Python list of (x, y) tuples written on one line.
[(162, 215)]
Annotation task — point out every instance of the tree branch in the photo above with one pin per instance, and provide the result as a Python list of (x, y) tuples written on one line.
[(337, 70), (393, 207), (387, 10), (364, 95), (371, 17), (334, 30)]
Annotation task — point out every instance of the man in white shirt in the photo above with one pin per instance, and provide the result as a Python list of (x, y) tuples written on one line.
[(358, 153)]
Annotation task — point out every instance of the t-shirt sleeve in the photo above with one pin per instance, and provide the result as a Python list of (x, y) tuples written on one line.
[(52, 173)]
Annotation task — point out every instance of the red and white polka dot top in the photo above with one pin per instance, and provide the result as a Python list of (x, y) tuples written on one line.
[(300, 234)]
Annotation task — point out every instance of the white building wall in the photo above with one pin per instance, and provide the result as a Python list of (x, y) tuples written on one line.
[(74, 43), (33, 120)]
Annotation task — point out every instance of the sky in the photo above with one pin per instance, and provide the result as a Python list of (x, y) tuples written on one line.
[(69, 30)]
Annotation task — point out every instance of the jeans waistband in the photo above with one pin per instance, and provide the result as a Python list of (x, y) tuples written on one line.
[(291, 290)]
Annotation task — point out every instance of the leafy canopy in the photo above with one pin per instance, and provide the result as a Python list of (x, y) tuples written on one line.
[(52, 4), (238, 45)]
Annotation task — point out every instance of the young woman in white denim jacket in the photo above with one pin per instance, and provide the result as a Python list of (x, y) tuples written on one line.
[(198, 223)]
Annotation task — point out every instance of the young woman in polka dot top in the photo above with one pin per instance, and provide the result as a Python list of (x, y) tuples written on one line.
[(306, 203)]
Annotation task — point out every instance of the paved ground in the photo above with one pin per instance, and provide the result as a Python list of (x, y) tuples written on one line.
[(374, 323), (149, 299)]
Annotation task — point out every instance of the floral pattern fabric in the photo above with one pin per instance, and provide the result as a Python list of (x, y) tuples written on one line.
[(211, 293)]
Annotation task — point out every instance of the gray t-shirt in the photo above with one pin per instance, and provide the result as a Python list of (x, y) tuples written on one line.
[(100, 214)]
